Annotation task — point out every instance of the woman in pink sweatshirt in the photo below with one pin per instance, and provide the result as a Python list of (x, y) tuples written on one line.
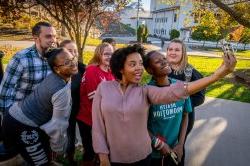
[(120, 107)]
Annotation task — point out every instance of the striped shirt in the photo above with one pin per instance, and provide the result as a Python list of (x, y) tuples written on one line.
[(24, 72)]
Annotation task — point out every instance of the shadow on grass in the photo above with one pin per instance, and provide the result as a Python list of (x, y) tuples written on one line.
[(226, 90)]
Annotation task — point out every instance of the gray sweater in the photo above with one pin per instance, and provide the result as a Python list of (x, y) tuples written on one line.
[(47, 107)]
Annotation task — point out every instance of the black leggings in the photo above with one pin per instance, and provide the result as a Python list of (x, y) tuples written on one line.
[(86, 136), (31, 142)]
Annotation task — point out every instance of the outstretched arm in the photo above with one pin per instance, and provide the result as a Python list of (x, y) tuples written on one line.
[(228, 65)]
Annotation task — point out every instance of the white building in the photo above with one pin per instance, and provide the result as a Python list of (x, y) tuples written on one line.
[(128, 16), (171, 16)]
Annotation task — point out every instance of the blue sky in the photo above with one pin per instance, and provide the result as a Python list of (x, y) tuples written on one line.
[(146, 4)]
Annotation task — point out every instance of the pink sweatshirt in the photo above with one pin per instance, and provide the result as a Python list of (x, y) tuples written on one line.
[(120, 120)]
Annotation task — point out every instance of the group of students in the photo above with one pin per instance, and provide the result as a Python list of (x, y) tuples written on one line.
[(45, 92)]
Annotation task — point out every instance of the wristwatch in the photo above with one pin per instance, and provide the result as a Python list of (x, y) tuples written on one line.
[(185, 84)]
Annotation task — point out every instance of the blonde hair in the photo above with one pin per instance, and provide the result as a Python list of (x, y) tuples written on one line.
[(96, 60), (184, 59)]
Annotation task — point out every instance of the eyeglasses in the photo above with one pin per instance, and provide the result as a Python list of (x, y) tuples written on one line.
[(69, 62)]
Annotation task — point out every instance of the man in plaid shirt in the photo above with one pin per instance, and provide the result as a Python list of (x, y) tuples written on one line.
[(27, 68)]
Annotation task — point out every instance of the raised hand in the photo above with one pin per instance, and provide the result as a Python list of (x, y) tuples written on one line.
[(227, 66)]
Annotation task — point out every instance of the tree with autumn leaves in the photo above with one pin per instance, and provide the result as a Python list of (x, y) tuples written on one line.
[(77, 16), (215, 24)]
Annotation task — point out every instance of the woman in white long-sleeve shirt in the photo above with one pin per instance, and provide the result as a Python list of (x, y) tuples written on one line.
[(38, 124)]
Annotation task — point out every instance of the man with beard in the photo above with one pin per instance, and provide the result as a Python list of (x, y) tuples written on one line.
[(27, 67), (24, 72)]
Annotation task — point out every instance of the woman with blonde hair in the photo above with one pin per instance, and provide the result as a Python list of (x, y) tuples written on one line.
[(97, 71), (177, 58)]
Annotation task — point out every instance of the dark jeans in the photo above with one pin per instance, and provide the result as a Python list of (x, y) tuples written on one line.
[(143, 162), (85, 132), (31, 142)]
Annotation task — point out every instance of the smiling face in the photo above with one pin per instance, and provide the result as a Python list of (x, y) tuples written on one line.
[(158, 65), (174, 53), (46, 38), (71, 47), (133, 69), (66, 64), (106, 55)]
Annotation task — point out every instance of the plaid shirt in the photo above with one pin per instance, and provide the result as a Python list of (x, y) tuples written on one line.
[(24, 72)]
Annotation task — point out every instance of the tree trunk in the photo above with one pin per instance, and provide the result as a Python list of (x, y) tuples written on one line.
[(78, 44), (63, 31), (84, 42)]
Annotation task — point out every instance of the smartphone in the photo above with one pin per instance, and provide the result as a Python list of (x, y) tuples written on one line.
[(226, 47)]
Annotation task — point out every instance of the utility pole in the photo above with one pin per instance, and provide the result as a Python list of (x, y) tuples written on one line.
[(138, 7)]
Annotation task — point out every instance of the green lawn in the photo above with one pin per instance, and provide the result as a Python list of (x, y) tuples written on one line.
[(239, 53), (96, 42), (222, 89)]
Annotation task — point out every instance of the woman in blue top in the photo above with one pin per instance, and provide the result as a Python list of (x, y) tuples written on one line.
[(38, 124), (167, 123)]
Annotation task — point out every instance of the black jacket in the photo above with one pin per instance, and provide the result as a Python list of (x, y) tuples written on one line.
[(75, 89)]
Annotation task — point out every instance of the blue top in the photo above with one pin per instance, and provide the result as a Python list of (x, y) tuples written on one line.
[(164, 120)]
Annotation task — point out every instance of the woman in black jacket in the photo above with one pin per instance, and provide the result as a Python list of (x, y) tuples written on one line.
[(182, 70)]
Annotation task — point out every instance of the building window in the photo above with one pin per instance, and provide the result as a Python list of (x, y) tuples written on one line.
[(166, 19), (175, 17)]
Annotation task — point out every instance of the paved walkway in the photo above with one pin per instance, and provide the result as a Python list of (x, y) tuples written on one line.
[(221, 134)]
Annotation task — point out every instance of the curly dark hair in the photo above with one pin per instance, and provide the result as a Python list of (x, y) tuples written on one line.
[(119, 57)]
